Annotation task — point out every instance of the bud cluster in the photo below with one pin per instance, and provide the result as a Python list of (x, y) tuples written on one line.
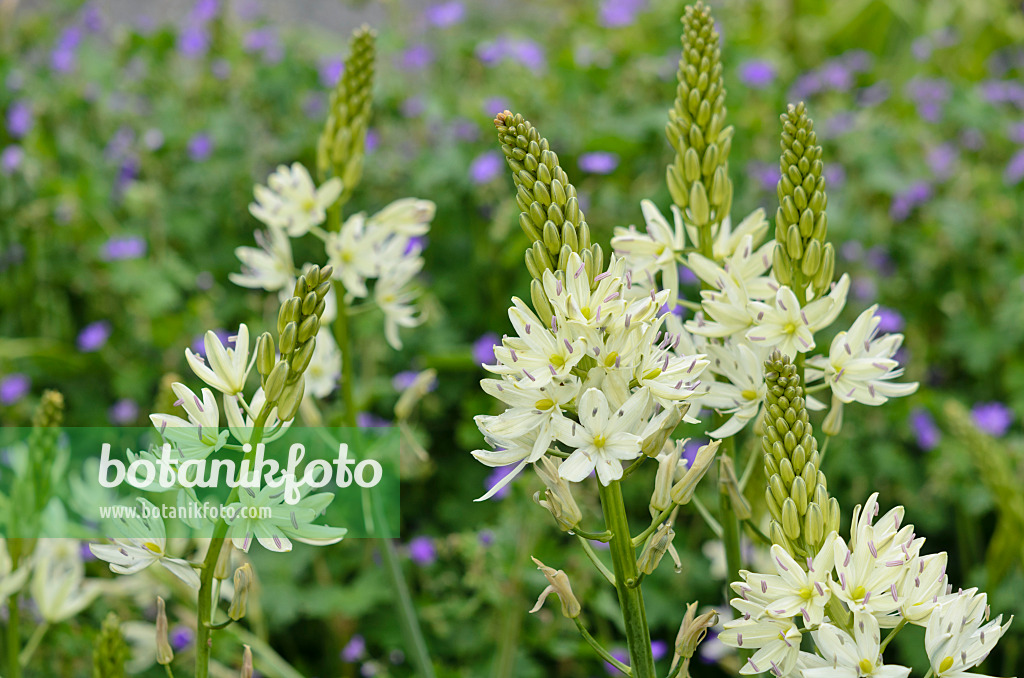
[(42, 444), (297, 325), (698, 178), (797, 494), (802, 256), (342, 143), (110, 651), (550, 211)]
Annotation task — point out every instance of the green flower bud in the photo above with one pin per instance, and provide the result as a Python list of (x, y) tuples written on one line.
[(559, 500), (291, 398), (308, 328), (342, 143), (164, 652), (654, 549), (289, 313), (244, 580), (265, 355), (276, 381), (303, 354), (289, 338)]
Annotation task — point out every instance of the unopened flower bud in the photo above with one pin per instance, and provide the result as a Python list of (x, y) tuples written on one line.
[(661, 498), (289, 313), (276, 382), (682, 491), (654, 441), (692, 630), (164, 653), (558, 583), (265, 356), (223, 569), (834, 419), (243, 582), (290, 400), (424, 382), (308, 328), (303, 354), (247, 670), (654, 549), (560, 502)]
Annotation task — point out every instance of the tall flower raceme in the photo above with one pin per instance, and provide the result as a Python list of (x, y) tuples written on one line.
[(252, 413), (843, 591), (598, 374)]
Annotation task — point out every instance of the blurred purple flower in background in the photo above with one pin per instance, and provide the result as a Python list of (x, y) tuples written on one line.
[(757, 73), (925, 430), (181, 637), (370, 420), (495, 105), (444, 14), (904, 202), (153, 139), (221, 69), (659, 649), (994, 418), (878, 258), (1014, 169), (14, 387), (91, 18), (124, 411), (929, 96), (93, 336), (331, 69), (765, 175), (872, 95), (416, 57), (621, 655), (416, 244), (120, 248), (889, 320), (483, 348), (372, 140), (618, 13), (200, 147), (1003, 92), (265, 41), (199, 343), (204, 10), (835, 175), (486, 167), (835, 76), (63, 56), (598, 162), (690, 450), (1015, 132), (942, 160), (19, 119), (495, 477), (864, 289), (193, 41), (355, 649), (422, 551), (851, 250), (521, 50), (414, 106), (404, 380), (11, 158)]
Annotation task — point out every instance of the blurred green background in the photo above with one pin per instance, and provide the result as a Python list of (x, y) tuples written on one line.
[(132, 135)]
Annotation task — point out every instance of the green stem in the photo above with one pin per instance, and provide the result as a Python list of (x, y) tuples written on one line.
[(682, 668), (14, 616), (32, 644), (604, 537), (727, 518), (206, 601), (597, 561), (715, 526), (756, 531), (655, 524), (892, 634), (605, 654), (406, 611), (631, 600)]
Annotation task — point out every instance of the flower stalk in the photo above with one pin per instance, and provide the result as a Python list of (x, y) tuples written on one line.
[(631, 600)]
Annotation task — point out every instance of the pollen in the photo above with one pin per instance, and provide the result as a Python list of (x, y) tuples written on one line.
[(599, 441), (152, 547), (749, 394), (544, 404), (858, 592), (866, 667), (946, 664)]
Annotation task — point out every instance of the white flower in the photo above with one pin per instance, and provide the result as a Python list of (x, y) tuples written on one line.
[(794, 590), (144, 543), (394, 295), (11, 580), (59, 587), (728, 311), (292, 201), (859, 365), (602, 438), (571, 296), (670, 377), (790, 327), (538, 354), (198, 437), (406, 217), (658, 248), (852, 657), (745, 266), (324, 368), (228, 367), (924, 580), (270, 266), (352, 254), (956, 639), (742, 394), (777, 640), (286, 520), (728, 241)]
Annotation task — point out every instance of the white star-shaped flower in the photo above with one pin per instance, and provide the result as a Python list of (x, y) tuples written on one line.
[(602, 439)]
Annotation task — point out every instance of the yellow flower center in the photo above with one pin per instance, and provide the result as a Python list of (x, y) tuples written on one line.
[(557, 360), (866, 667), (599, 441), (807, 593), (749, 394), (790, 328), (152, 547), (653, 374), (544, 404), (610, 358), (858, 592), (586, 312), (946, 664), (308, 204)]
